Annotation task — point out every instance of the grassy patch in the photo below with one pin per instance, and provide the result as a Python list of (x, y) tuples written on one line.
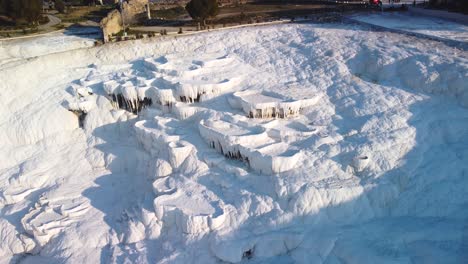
[(19, 33), (251, 8), (59, 26), (7, 23), (170, 13), (77, 14)]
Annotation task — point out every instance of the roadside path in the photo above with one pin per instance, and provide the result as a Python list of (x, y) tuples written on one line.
[(45, 29), (53, 21)]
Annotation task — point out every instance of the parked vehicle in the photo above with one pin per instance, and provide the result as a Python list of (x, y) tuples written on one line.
[(375, 3)]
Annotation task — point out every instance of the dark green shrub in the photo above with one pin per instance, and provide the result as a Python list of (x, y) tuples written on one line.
[(60, 6), (202, 9)]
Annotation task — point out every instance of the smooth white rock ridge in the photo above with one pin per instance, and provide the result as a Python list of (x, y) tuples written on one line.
[(192, 213), (261, 104), (102, 160), (196, 80), (251, 144)]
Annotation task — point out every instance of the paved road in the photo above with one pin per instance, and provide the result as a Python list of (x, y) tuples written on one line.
[(45, 29), (53, 20)]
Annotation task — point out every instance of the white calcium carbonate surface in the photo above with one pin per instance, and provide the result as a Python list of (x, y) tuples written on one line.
[(373, 170)]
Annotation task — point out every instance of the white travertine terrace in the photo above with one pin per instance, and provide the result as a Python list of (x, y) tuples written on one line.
[(171, 204), (252, 144), (190, 213), (194, 80), (261, 104), (380, 178), (169, 81)]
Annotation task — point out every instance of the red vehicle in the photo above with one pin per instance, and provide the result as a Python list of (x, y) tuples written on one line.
[(375, 2)]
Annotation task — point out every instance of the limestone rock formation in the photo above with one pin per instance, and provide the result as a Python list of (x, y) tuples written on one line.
[(111, 24), (134, 10)]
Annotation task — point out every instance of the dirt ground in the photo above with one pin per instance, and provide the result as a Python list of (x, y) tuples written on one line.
[(77, 14), (247, 13)]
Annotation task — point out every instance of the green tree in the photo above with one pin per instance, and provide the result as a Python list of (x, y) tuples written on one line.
[(15, 9), (89, 2), (60, 6), (202, 9), (3, 7), (32, 10), (29, 10)]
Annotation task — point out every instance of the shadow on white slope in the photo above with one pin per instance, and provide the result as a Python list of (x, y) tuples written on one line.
[(382, 178)]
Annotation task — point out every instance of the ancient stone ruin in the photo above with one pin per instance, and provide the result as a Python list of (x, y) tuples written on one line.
[(111, 24), (132, 11)]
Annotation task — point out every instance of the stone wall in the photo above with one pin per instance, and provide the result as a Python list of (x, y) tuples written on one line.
[(134, 10), (220, 2), (111, 24)]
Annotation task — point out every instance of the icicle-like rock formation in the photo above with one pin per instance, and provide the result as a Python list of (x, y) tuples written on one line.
[(127, 96), (162, 97), (261, 104), (251, 144), (194, 80), (82, 103), (168, 83), (194, 92)]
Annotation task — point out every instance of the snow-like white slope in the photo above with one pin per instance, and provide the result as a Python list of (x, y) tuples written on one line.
[(139, 152), (423, 25), (30, 47)]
